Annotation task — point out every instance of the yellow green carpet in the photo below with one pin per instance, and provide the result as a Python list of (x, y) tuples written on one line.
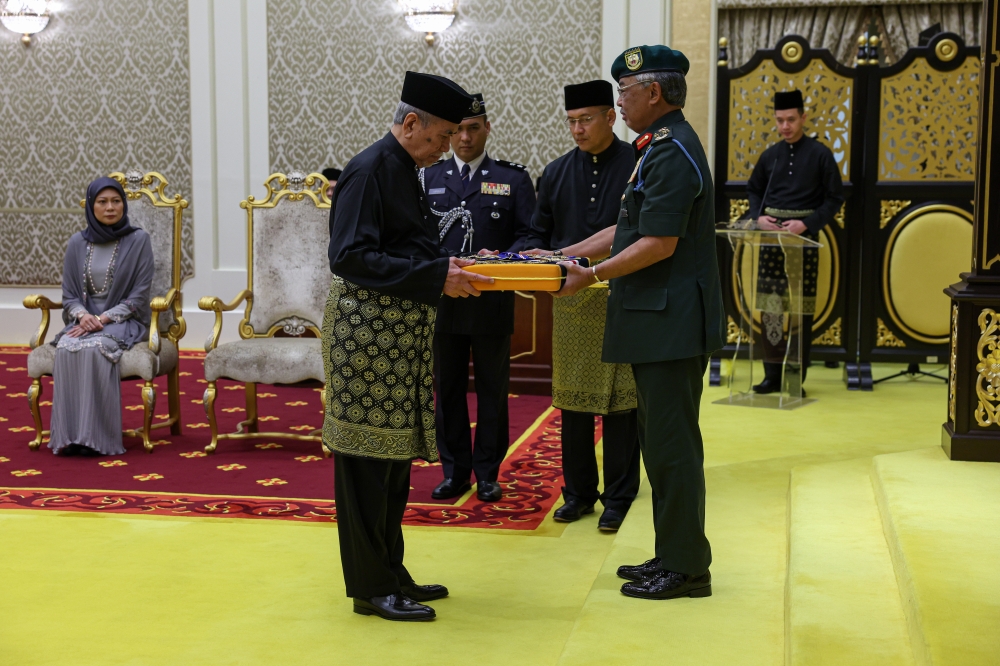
[(88, 589)]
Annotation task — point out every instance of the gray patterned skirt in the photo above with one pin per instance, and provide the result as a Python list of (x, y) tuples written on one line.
[(379, 368)]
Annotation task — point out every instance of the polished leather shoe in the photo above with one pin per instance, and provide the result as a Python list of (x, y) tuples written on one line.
[(425, 592), (572, 511), (768, 386), (488, 491), (611, 520), (394, 607), (642, 571), (670, 585), (450, 488)]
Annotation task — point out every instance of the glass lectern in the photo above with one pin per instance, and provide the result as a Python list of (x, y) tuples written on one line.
[(768, 286)]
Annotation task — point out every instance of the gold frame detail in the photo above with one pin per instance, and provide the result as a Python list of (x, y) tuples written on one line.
[(909, 217), (737, 207), (953, 366), (988, 410), (792, 52), (890, 208), (734, 334), (153, 186), (946, 50), (884, 337), (839, 217), (278, 186), (831, 337)]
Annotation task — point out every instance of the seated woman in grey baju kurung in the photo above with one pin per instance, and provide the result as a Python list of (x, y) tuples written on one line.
[(107, 276)]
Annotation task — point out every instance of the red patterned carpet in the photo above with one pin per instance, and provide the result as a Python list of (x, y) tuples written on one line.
[(280, 479)]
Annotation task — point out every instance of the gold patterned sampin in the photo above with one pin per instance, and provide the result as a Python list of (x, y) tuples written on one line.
[(496, 189)]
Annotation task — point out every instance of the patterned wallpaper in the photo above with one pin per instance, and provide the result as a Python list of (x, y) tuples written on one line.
[(104, 88), (335, 73)]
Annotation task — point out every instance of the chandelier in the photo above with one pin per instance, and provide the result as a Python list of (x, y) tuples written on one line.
[(25, 17), (429, 16)]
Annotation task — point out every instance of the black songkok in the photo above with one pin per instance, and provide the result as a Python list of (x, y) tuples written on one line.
[(332, 174), (591, 93), (788, 100), (436, 95)]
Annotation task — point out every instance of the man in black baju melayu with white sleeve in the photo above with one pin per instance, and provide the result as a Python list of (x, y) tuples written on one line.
[(389, 274)]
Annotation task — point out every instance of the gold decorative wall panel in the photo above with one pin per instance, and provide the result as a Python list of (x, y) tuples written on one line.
[(928, 122), (105, 88), (828, 98), (988, 370), (335, 73)]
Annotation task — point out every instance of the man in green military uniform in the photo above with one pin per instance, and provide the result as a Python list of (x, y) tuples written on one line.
[(665, 313)]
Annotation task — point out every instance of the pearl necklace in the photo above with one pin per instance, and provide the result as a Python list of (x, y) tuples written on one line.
[(109, 273)]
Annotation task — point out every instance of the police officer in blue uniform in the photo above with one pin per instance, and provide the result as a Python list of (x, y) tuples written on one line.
[(480, 203)]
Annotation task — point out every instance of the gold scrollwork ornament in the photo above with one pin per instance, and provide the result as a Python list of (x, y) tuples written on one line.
[(954, 365), (890, 209), (988, 368), (831, 336), (946, 50), (738, 208), (839, 217), (735, 334), (884, 337)]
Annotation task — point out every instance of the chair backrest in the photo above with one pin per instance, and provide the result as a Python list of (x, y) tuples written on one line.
[(150, 209), (289, 273)]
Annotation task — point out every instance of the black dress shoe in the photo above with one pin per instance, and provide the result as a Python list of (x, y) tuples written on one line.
[(670, 585), (450, 488), (611, 520), (488, 491), (768, 386), (425, 592), (642, 571), (394, 607), (572, 511)]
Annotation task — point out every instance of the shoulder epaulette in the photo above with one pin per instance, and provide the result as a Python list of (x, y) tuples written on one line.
[(512, 165), (662, 134)]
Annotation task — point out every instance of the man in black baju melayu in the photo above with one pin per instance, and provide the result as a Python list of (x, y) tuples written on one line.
[(795, 187), (389, 274), (579, 195)]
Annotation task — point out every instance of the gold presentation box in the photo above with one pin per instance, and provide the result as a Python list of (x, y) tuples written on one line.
[(531, 275)]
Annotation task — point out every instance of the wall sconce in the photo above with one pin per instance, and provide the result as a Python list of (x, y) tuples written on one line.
[(25, 17), (429, 16)]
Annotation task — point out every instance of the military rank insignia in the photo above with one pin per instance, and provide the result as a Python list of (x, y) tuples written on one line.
[(496, 189), (641, 142), (633, 59), (661, 134)]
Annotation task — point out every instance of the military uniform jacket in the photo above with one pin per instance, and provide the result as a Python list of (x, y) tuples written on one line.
[(500, 199), (579, 195), (673, 308), (383, 235)]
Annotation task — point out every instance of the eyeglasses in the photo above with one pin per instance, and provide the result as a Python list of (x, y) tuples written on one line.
[(584, 121), (637, 83)]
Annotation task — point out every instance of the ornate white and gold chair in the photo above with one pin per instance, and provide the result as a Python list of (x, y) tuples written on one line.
[(288, 280), (149, 208)]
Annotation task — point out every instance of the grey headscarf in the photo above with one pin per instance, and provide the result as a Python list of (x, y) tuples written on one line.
[(103, 233)]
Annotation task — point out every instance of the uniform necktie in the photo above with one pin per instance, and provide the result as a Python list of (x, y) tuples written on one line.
[(465, 174)]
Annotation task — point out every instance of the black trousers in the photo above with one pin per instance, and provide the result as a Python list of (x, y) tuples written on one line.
[(775, 353), (621, 459), (371, 499), (669, 400), (491, 365)]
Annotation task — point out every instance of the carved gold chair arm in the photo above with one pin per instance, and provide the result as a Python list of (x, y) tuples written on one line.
[(216, 304), (158, 305), (39, 302)]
